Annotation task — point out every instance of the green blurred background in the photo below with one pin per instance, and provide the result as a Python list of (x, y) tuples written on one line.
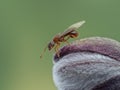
[(26, 26)]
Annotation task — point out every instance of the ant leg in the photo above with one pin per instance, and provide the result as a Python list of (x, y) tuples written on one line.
[(43, 52), (65, 40), (57, 49)]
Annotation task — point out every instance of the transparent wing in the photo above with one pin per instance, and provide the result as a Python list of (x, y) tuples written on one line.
[(73, 27)]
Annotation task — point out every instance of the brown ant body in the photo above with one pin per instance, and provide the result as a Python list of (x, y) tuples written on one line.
[(70, 32)]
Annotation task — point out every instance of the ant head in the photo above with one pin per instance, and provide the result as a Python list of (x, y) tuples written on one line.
[(51, 45)]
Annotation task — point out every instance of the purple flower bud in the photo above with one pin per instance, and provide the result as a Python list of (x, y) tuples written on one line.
[(88, 64)]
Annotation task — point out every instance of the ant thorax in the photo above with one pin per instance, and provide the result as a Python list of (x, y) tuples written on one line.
[(56, 38)]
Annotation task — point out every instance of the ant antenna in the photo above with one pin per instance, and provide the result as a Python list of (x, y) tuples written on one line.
[(43, 52)]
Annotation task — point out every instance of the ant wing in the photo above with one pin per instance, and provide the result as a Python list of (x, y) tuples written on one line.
[(72, 28), (76, 25)]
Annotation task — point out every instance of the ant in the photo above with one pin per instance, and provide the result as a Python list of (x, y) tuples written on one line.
[(70, 32)]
